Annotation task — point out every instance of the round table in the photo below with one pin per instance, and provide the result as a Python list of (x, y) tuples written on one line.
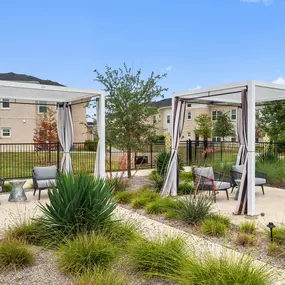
[(17, 193)]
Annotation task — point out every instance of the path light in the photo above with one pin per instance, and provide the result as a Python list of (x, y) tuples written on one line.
[(271, 226)]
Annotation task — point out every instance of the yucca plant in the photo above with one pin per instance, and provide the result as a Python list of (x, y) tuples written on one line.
[(78, 204), (162, 160)]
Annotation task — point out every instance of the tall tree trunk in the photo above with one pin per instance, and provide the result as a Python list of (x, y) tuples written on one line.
[(129, 166)]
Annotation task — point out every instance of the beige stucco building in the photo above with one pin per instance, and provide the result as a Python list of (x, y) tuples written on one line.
[(163, 119), (18, 121)]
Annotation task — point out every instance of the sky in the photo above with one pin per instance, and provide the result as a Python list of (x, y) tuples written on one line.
[(198, 43)]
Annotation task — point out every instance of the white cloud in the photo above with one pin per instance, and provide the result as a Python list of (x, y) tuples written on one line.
[(279, 80), (265, 2), (168, 68), (195, 88)]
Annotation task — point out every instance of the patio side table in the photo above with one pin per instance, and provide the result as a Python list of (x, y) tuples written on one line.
[(17, 193)]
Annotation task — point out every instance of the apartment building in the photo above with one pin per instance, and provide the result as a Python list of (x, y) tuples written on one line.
[(18, 121), (162, 119)]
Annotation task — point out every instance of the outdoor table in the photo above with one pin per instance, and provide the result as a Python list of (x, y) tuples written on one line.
[(17, 193), (237, 181)]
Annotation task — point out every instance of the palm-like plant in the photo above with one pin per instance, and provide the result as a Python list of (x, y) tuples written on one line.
[(77, 204)]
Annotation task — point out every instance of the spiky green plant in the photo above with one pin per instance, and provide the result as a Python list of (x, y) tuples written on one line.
[(248, 227), (143, 197), (85, 253), (194, 209), (14, 255), (162, 160), (161, 205), (213, 228), (78, 204), (124, 197)]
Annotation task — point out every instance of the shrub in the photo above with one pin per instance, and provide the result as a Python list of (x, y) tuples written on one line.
[(7, 187), (194, 209), (186, 188), (124, 197), (186, 176), (117, 184), (157, 180), (171, 214), (121, 233), (160, 257), (77, 204), (14, 255), (208, 269), (99, 277), (246, 239), (248, 227), (85, 253), (221, 218), (213, 227), (161, 205), (278, 235), (275, 250), (90, 145), (143, 197), (162, 160)]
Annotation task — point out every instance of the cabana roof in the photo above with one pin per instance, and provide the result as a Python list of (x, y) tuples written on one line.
[(231, 93), (18, 91)]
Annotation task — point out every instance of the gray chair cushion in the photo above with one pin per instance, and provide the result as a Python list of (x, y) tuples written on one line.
[(222, 185), (205, 171), (43, 184), (44, 173), (237, 168), (260, 181)]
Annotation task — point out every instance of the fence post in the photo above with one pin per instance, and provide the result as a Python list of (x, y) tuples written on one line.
[(151, 152), (190, 151), (187, 152), (58, 155), (196, 150), (110, 158), (221, 151)]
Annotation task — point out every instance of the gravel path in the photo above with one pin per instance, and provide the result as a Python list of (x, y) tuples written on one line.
[(44, 271)]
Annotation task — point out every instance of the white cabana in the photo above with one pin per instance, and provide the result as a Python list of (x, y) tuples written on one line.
[(255, 93), (63, 98)]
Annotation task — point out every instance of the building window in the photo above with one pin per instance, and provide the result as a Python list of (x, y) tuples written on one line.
[(168, 119), (5, 104), (233, 139), (234, 114), (6, 132), (42, 107), (189, 135), (154, 119), (215, 115), (216, 139), (188, 115), (188, 105)]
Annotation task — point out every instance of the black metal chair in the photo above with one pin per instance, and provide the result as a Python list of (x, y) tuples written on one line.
[(209, 180), (236, 174)]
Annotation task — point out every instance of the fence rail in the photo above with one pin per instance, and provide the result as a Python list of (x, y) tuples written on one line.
[(17, 160)]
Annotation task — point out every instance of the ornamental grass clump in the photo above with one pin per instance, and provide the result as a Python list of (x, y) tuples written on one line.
[(101, 277), (161, 205), (246, 239), (213, 227), (124, 197), (278, 235), (78, 204), (159, 258), (143, 197), (86, 253), (14, 255), (194, 209), (248, 227)]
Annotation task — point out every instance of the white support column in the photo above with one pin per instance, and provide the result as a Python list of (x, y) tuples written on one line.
[(251, 149), (102, 135)]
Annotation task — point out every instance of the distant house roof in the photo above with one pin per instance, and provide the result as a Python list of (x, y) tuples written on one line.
[(162, 103), (11, 76)]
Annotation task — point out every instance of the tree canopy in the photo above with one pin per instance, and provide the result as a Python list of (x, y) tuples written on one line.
[(223, 127), (272, 120), (204, 126), (128, 107)]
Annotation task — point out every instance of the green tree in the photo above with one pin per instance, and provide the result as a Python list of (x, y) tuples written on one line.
[(128, 107), (223, 127), (272, 120), (204, 126)]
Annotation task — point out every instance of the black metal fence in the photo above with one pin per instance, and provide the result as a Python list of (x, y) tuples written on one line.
[(18, 160)]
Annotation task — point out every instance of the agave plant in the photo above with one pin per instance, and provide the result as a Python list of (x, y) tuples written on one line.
[(77, 204)]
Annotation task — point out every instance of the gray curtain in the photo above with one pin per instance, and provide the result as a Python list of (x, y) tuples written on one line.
[(178, 117), (97, 160), (242, 158), (65, 134)]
